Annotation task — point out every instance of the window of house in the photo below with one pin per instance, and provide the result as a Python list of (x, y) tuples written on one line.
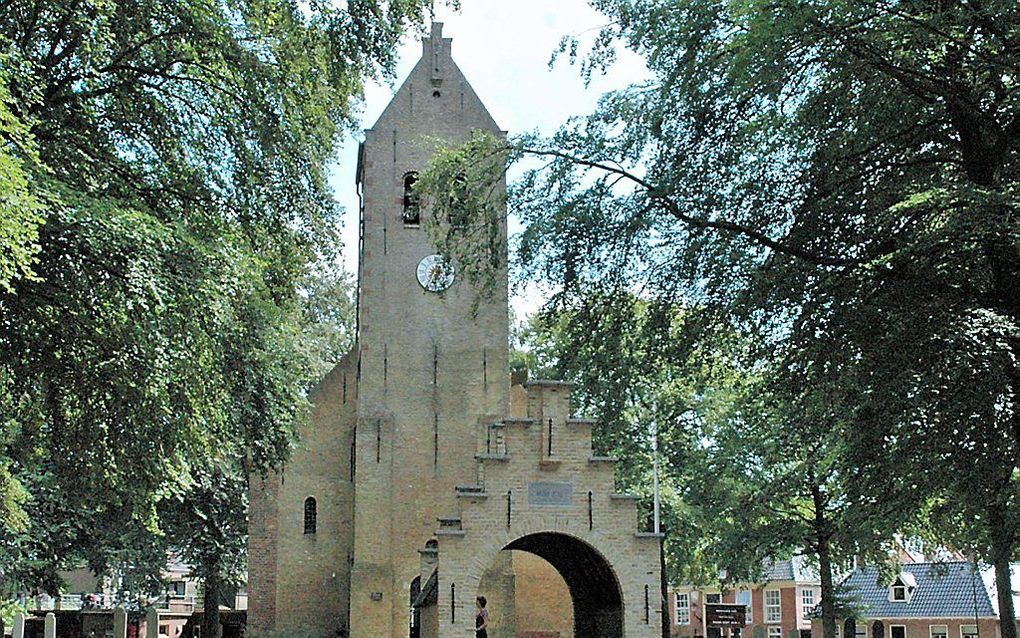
[(773, 609), (968, 631), (898, 631), (807, 602), (899, 592), (775, 632), (744, 598), (938, 631), (178, 588), (861, 630), (683, 608), (713, 599), (412, 205), (310, 515)]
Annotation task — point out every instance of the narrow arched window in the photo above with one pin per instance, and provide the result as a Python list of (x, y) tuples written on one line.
[(412, 205), (310, 515)]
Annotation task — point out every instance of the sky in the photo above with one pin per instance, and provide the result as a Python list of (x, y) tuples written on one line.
[(503, 48)]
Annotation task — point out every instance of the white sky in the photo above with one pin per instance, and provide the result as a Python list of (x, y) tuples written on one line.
[(503, 48)]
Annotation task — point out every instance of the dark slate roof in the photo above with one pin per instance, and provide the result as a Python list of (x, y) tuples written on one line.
[(796, 569), (944, 590)]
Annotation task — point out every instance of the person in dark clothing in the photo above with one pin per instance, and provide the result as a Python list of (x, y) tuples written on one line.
[(482, 619)]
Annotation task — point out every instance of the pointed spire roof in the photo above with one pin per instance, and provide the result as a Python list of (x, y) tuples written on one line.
[(435, 83)]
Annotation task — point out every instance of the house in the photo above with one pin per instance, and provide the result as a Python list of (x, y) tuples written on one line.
[(924, 600), (777, 607)]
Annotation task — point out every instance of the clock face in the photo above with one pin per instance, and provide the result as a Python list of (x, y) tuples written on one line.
[(435, 273)]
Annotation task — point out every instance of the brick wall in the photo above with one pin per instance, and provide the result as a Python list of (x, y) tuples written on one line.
[(920, 627), (262, 554), (790, 610), (298, 584), (608, 538), (543, 600)]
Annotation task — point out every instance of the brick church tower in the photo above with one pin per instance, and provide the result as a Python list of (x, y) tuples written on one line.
[(348, 537), (432, 373)]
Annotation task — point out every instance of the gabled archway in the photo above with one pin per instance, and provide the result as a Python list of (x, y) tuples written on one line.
[(541, 491)]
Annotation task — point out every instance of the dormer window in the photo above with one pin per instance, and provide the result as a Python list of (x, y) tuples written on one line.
[(412, 205), (902, 589)]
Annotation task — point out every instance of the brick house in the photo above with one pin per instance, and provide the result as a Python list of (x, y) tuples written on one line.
[(925, 600), (777, 607)]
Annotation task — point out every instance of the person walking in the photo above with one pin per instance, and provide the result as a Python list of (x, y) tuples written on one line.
[(482, 619)]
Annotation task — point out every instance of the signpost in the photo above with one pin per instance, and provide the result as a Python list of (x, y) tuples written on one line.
[(724, 615)]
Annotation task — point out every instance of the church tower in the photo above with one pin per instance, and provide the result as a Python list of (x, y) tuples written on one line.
[(433, 373), (396, 426)]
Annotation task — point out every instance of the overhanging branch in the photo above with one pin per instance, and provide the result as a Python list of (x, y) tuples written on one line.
[(673, 208)]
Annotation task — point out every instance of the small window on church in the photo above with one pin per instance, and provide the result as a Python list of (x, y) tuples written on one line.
[(412, 206), (310, 515)]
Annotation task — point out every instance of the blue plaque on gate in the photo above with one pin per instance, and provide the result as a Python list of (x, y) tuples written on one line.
[(549, 494)]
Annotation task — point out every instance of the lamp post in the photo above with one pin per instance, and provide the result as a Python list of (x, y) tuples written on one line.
[(657, 525), (977, 622)]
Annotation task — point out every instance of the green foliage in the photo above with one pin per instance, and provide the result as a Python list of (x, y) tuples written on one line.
[(20, 206), (745, 479), (8, 610), (182, 298), (463, 193), (837, 183)]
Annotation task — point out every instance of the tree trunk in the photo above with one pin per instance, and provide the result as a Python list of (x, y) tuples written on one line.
[(1002, 546), (1004, 258), (211, 584), (822, 535)]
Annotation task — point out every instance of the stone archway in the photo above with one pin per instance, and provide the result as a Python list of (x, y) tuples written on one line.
[(594, 588), (540, 490)]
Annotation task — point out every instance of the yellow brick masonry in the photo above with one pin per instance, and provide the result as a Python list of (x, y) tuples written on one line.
[(407, 417), (464, 557)]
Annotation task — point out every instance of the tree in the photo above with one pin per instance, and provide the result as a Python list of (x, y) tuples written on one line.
[(176, 153), (840, 179), (750, 476), (208, 523)]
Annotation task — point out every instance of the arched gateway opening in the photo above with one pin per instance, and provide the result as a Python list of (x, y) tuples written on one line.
[(590, 585)]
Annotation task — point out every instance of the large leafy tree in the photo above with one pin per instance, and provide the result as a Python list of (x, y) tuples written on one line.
[(750, 476), (175, 156), (838, 177)]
